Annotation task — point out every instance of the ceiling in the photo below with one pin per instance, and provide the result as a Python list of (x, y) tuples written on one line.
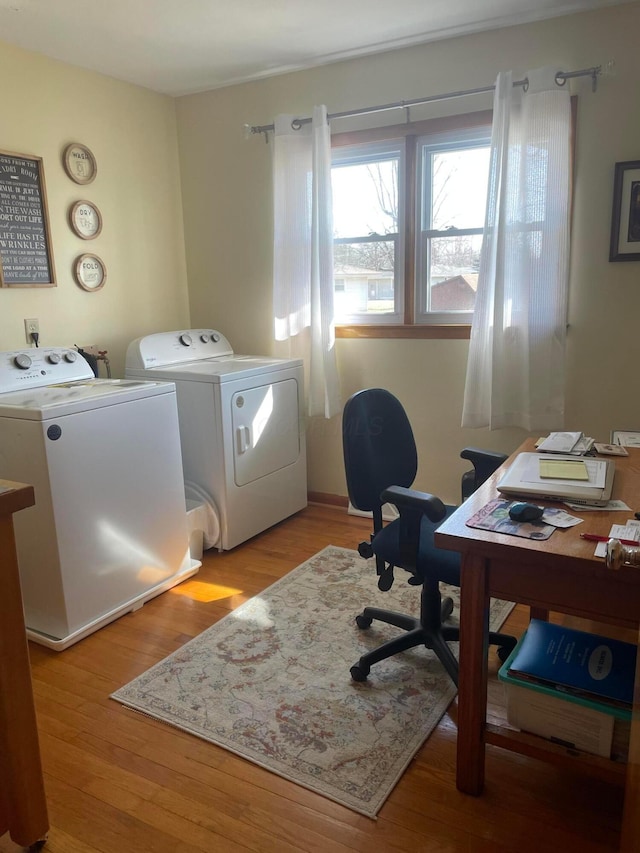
[(183, 46)]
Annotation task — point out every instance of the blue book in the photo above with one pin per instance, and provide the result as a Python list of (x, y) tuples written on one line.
[(576, 662)]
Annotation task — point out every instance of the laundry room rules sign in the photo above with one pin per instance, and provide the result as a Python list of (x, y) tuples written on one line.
[(26, 259)]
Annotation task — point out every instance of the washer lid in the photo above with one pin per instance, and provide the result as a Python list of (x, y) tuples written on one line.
[(66, 398), (218, 370)]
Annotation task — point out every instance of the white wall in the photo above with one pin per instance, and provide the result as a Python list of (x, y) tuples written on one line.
[(132, 134), (226, 185)]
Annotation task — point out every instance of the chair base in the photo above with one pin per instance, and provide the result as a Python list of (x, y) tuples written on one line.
[(427, 631)]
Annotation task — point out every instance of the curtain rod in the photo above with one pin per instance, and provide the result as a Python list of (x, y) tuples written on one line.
[(561, 79)]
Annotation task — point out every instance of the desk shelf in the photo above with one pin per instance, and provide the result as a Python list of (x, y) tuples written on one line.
[(498, 732), (553, 753)]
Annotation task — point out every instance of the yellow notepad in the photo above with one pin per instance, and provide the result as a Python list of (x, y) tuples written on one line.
[(564, 469)]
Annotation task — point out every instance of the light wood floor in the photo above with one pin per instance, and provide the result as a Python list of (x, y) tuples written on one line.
[(117, 781)]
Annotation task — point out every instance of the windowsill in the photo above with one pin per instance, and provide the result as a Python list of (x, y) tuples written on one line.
[(442, 332)]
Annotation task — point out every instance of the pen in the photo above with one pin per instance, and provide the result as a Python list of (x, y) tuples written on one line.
[(593, 537)]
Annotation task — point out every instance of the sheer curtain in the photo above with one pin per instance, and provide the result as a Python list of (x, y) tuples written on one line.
[(303, 254), (516, 366)]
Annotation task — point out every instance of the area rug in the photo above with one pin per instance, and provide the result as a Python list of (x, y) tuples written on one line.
[(270, 682)]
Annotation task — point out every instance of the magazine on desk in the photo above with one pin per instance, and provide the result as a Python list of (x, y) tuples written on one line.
[(576, 662)]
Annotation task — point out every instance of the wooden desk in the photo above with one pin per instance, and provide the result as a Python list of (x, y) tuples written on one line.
[(560, 574), (23, 809)]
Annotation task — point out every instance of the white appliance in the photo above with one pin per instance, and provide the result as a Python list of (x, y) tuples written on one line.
[(241, 428), (109, 529)]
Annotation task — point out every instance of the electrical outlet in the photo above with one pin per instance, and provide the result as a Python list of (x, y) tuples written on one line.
[(31, 326)]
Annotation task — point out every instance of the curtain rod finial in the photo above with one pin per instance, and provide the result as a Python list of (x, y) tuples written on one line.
[(608, 69), (247, 130)]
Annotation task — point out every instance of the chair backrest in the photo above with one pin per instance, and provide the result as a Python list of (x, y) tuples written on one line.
[(378, 445)]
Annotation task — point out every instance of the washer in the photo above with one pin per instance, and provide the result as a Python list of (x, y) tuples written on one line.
[(241, 427), (109, 528)]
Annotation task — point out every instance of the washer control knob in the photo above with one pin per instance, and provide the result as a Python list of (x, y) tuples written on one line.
[(185, 340), (22, 361), (70, 356), (53, 358), (215, 337), (204, 338)]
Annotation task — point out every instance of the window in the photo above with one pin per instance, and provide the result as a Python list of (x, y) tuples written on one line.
[(408, 207), (367, 227), (452, 178)]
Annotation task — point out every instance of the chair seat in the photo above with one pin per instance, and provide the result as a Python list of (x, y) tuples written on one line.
[(443, 564)]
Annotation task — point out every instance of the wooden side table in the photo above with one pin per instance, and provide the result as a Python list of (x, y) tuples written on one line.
[(23, 808)]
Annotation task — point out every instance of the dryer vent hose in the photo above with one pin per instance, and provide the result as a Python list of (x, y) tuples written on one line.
[(211, 522)]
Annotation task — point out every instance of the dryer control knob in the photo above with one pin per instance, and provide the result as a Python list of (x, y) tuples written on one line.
[(185, 340), (53, 358), (215, 337), (22, 361), (71, 355), (204, 338)]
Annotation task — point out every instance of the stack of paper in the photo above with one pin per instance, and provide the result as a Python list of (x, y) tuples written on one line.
[(572, 443)]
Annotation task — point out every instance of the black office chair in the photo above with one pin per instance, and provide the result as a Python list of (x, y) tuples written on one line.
[(381, 464)]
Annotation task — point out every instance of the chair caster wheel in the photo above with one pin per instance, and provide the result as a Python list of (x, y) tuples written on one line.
[(359, 672), (363, 622), (447, 608)]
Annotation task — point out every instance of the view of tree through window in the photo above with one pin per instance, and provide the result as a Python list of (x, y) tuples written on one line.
[(365, 201), (376, 226)]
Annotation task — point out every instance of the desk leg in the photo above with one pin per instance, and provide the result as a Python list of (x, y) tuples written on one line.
[(538, 613), (472, 689)]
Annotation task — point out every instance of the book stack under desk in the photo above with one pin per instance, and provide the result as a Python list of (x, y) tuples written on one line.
[(572, 688)]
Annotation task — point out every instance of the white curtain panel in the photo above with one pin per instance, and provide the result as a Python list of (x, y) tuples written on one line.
[(303, 254), (516, 366)]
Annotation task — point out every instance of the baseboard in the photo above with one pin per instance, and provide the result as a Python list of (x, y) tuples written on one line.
[(389, 512), (328, 499)]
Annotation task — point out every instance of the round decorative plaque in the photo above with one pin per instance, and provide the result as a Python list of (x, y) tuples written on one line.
[(90, 272), (79, 163), (85, 219)]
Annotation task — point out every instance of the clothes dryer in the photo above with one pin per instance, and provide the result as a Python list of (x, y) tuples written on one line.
[(109, 527), (241, 427)]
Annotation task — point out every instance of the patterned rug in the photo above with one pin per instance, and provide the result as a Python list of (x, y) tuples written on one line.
[(271, 682)]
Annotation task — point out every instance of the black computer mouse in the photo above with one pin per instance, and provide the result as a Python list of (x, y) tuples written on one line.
[(525, 512)]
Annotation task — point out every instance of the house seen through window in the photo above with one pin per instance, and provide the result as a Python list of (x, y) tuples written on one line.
[(408, 220)]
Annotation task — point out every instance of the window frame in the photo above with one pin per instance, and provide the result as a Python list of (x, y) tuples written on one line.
[(409, 327)]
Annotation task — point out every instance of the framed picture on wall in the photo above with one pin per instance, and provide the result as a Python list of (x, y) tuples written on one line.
[(625, 218), (90, 272), (85, 219), (79, 163), (26, 254)]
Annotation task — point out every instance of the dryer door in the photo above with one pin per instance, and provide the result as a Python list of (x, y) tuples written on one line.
[(265, 430)]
